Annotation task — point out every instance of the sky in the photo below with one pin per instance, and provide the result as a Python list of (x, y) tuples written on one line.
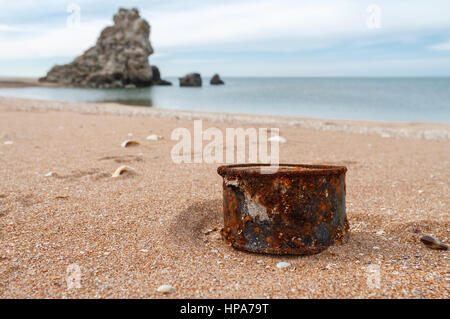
[(240, 38)]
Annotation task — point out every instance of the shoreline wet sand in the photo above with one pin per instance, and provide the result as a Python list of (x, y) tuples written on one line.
[(157, 225)]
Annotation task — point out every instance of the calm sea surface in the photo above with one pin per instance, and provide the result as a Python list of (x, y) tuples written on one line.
[(386, 99)]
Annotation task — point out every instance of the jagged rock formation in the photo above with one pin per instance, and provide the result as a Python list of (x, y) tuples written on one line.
[(156, 80), (119, 58), (191, 79), (216, 80)]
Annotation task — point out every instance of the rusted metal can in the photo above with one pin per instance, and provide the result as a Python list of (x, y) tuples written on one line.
[(296, 209)]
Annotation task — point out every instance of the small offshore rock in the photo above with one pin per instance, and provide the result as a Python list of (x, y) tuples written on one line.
[(216, 80), (166, 289), (433, 243), (191, 79), (283, 264), (156, 80)]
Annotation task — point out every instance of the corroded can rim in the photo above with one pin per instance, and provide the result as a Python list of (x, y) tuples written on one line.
[(241, 170)]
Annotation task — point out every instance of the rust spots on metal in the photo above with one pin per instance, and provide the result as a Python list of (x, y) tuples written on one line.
[(296, 209)]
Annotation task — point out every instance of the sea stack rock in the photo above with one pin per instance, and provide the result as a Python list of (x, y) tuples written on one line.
[(216, 80), (119, 58), (191, 79), (156, 79)]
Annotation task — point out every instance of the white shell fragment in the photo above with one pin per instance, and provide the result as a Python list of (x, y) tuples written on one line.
[(50, 174), (8, 143), (153, 137), (129, 143), (166, 289), (277, 139), (283, 264), (121, 170)]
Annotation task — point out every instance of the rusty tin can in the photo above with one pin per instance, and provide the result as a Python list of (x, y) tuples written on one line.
[(295, 209)]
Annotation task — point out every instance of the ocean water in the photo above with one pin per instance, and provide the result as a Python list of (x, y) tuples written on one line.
[(383, 99)]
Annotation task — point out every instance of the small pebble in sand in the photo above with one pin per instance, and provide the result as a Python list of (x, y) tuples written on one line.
[(121, 170), (433, 243), (153, 137), (8, 143), (277, 139), (130, 134), (128, 143), (144, 250), (165, 289), (380, 232), (283, 264), (50, 174)]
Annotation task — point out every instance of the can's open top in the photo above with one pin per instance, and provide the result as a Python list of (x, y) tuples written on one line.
[(241, 170)]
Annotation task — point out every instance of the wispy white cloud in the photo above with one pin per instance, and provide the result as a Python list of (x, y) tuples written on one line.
[(445, 46), (232, 26), (54, 42), (302, 23), (8, 28), (245, 24)]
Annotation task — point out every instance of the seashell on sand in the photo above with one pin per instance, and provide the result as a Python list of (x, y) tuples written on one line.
[(128, 143), (121, 170), (153, 137), (433, 243), (165, 289), (283, 264)]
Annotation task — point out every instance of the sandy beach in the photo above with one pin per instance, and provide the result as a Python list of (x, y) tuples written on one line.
[(59, 206)]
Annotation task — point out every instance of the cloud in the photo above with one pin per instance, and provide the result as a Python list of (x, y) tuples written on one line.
[(7, 28), (300, 22), (234, 30), (62, 41), (445, 46), (243, 25)]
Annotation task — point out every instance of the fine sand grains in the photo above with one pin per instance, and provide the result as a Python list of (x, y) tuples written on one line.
[(79, 233)]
